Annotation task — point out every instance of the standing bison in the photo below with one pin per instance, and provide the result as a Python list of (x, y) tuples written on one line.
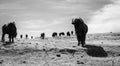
[(9, 29), (81, 30), (42, 35), (68, 33), (21, 36), (26, 36)]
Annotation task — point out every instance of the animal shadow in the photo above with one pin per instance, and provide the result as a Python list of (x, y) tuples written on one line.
[(95, 51), (7, 43)]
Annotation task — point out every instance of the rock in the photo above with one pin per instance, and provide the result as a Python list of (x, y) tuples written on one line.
[(53, 58), (24, 62), (44, 49), (78, 62), (58, 55), (81, 56), (101, 42), (1, 61), (81, 62)]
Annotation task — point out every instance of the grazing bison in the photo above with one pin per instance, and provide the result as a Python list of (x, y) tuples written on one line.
[(26, 36), (42, 35), (21, 36), (62, 33), (9, 29), (54, 34), (68, 33), (31, 37), (81, 30)]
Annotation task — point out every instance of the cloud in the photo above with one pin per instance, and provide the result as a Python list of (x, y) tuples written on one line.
[(11, 6), (106, 19), (48, 8), (37, 24), (54, 15)]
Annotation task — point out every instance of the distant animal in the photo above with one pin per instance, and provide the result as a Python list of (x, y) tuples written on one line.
[(71, 32), (21, 36), (9, 29), (81, 30), (61, 34), (54, 34), (110, 32), (26, 36), (68, 33), (42, 35), (31, 37)]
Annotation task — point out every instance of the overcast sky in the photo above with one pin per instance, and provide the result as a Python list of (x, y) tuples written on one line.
[(35, 16)]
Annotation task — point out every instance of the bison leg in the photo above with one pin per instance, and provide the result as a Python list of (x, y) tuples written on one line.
[(78, 43), (12, 39), (79, 39), (83, 40), (83, 43), (3, 39)]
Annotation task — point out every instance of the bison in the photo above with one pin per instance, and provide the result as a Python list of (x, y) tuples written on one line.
[(68, 33), (81, 30), (9, 29), (54, 34), (26, 36), (71, 32), (42, 35), (61, 33), (21, 36)]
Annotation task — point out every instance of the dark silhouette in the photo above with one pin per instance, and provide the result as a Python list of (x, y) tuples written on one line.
[(81, 30), (26, 36), (54, 34), (42, 35), (68, 33), (71, 32), (31, 37), (21, 36), (110, 32), (96, 51), (9, 29), (61, 34)]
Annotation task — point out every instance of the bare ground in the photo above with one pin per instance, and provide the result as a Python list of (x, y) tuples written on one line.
[(101, 50)]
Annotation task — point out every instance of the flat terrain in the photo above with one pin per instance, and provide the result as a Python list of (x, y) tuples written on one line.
[(101, 50)]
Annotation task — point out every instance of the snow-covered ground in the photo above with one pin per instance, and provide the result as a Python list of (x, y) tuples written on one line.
[(62, 51)]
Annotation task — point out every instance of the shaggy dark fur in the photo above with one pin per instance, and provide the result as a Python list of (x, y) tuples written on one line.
[(62, 33), (71, 32), (42, 35), (21, 36), (81, 30), (68, 33), (26, 36), (54, 34), (9, 29)]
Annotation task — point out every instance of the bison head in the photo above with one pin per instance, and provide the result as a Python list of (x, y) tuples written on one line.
[(77, 21)]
